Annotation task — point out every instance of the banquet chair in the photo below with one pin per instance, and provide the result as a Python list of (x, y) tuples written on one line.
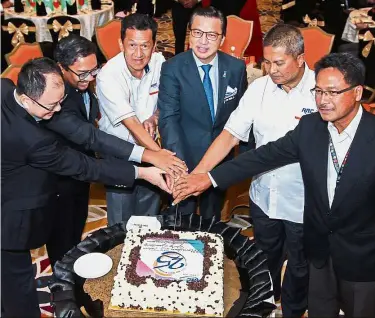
[(23, 53), (239, 33), (13, 32), (107, 36), (318, 43), (61, 26), (12, 72)]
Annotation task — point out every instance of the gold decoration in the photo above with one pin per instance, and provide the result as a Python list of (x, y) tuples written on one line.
[(18, 36), (288, 5), (367, 37), (313, 22), (63, 29)]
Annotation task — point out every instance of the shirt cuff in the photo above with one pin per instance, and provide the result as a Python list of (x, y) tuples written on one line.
[(214, 184), (135, 172), (137, 154)]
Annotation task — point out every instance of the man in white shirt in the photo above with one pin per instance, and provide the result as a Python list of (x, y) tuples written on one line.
[(127, 89), (272, 105), (335, 150)]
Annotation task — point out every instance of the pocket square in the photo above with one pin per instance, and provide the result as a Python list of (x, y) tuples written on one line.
[(230, 92)]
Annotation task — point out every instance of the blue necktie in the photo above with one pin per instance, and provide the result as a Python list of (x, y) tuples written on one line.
[(207, 85)]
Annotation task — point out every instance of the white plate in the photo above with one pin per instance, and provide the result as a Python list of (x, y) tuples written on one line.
[(93, 265)]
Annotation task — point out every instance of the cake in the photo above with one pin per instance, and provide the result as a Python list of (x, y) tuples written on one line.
[(171, 273)]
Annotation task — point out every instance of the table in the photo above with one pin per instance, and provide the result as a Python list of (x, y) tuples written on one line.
[(89, 21), (247, 268)]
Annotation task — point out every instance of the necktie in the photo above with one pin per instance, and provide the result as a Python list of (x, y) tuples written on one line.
[(207, 85), (86, 100)]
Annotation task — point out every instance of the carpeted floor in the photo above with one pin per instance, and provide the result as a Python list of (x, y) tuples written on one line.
[(269, 15)]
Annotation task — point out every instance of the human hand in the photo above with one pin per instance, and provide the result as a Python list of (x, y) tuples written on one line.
[(192, 184), (150, 125), (167, 161), (155, 176), (189, 3)]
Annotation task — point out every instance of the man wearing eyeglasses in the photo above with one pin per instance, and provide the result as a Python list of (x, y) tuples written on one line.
[(335, 149), (75, 126), (198, 91), (271, 106)]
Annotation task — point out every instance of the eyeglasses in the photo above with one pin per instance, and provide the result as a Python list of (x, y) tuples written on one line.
[(51, 107), (317, 92), (84, 75), (211, 36)]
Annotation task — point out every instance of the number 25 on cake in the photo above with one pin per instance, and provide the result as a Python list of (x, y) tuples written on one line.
[(170, 272)]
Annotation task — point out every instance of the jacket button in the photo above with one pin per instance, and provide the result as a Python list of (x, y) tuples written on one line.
[(330, 232)]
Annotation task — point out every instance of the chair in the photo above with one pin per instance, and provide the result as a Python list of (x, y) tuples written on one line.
[(12, 72), (239, 33), (13, 32), (61, 26), (23, 53), (318, 43), (107, 37)]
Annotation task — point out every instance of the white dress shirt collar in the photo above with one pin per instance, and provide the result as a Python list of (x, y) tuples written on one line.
[(37, 119), (199, 63)]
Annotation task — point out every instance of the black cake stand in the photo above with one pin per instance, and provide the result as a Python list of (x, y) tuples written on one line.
[(67, 294)]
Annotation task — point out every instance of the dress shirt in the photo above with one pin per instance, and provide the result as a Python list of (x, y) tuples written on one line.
[(214, 76), (342, 143), (272, 112), (121, 95), (87, 102)]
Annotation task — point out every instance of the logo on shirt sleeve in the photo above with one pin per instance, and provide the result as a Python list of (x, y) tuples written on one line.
[(154, 89)]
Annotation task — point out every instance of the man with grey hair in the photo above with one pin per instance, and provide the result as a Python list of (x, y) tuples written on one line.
[(273, 105)]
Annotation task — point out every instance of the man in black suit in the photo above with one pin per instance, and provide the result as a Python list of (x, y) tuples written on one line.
[(30, 158), (75, 127), (335, 150), (198, 91)]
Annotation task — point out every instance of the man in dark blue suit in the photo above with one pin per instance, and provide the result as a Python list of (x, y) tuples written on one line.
[(198, 91)]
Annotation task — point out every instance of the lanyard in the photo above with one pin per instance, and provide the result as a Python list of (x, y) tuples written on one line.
[(336, 161)]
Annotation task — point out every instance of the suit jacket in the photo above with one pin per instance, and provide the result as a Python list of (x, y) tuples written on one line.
[(346, 231), (185, 122), (30, 158)]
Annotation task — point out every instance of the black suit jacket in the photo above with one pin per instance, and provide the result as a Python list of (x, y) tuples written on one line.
[(185, 122), (71, 124), (30, 158), (346, 231)]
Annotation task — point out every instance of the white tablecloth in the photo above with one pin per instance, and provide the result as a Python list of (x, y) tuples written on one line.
[(88, 21)]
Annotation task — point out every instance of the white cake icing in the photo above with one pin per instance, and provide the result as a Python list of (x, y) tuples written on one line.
[(177, 260)]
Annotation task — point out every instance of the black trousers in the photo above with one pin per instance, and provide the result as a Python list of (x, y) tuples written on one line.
[(18, 290), (180, 17), (281, 239), (328, 294), (70, 218), (210, 204)]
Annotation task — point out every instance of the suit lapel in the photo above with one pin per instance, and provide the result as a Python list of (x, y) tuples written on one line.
[(319, 158), (223, 77), (192, 75), (357, 161)]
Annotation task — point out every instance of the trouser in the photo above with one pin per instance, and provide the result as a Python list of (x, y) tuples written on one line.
[(210, 204), (18, 290), (180, 17), (280, 239), (141, 199), (69, 219), (328, 294)]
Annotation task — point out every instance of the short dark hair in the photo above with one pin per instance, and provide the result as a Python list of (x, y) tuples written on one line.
[(350, 66), (140, 22), (286, 36), (210, 12), (32, 77), (71, 48)]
